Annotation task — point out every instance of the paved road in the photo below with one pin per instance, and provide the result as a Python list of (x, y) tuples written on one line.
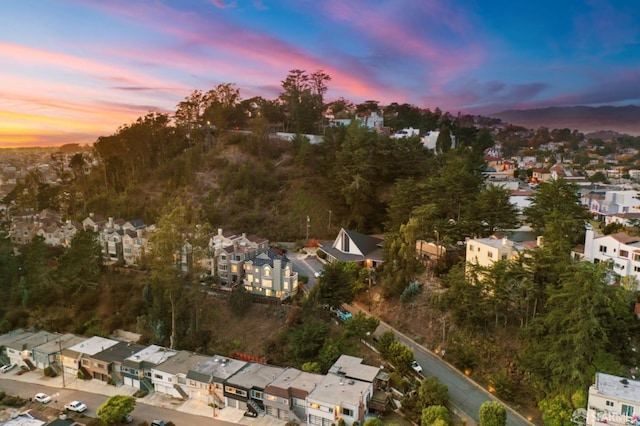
[(141, 413), (464, 394)]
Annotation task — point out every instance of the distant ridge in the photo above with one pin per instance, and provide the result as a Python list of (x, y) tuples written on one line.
[(625, 119)]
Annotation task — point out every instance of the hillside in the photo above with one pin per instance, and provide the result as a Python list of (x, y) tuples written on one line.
[(585, 119)]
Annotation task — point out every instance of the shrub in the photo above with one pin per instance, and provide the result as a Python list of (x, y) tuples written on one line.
[(48, 371), (411, 291)]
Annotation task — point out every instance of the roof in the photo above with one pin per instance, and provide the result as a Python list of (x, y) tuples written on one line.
[(33, 340), (93, 345), (367, 244), (255, 375), (268, 257), (294, 382), (619, 387), (217, 367), (24, 420), (13, 336), (181, 362), (352, 367), (119, 352), (623, 238), (149, 356), (335, 391), (62, 341)]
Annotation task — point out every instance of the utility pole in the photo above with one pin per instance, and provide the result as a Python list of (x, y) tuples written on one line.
[(329, 226), (64, 385), (308, 224)]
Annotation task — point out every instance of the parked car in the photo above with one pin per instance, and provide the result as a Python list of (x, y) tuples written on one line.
[(417, 367), (344, 315), (76, 406), (128, 418), (8, 367), (42, 397), (158, 423)]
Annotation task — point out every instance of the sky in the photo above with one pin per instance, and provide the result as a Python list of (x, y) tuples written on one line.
[(74, 70)]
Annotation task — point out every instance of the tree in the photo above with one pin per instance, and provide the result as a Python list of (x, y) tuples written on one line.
[(443, 143), (384, 342), (240, 300), (401, 356), (432, 392), (116, 408), (373, 421), (493, 413), (495, 211), (81, 264), (563, 197), (334, 287), (361, 325), (435, 413)]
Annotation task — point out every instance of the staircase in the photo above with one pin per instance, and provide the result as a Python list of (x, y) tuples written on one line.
[(218, 401), (146, 385), (56, 367), (181, 391), (253, 406), (29, 364), (117, 379)]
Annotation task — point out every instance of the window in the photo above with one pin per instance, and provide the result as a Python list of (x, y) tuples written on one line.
[(272, 398), (347, 412), (345, 244), (609, 404), (158, 376), (603, 249), (623, 253), (257, 394), (470, 247), (490, 255), (636, 257), (627, 410), (503, 257), (636, 269), (267, 271)]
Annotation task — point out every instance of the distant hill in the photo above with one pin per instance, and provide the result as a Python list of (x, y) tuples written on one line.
[(585, 119)]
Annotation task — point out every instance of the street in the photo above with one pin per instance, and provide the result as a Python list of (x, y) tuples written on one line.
[(142, 412), (463, 393)]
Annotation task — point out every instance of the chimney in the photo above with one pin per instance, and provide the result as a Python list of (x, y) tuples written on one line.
[(110, 222), (219, 231)]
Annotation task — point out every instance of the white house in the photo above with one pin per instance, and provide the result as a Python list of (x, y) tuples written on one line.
[(613, 400), (622, 250), (338, 397), (170, 377)]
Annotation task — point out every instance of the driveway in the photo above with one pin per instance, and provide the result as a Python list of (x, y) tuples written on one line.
[(307, 265), (465, 395)]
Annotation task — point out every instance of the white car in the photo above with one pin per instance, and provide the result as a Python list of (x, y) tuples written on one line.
[(416, 367), (42, 397), (76, 406), (8, 367)]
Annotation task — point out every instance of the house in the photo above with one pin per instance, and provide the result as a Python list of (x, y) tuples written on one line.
[(484, 252), (284, 398), (48, 354), (270, 274), (335, 398), (110, 362), (430, 139), (613, 400), (625, 219), (613, 202), (245, 389), (136, 368), (205, 382), (79, 357), (351, 367), (231, 251), (621, 249), (20, 350), (351, 246), (7, 342), (94, 222), (407, 132), (541, 175), (170, 377), (23, 419)]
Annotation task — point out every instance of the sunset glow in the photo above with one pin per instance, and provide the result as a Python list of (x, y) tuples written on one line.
[(79, 69)]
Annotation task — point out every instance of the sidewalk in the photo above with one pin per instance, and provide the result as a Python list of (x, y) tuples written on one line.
[(190, 406)]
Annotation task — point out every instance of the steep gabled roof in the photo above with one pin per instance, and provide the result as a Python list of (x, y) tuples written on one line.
[(365, 243)]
